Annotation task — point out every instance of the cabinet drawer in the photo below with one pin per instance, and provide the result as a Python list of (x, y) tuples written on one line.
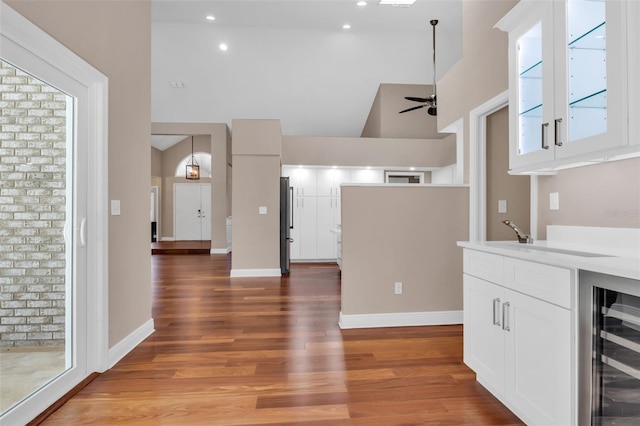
[(487, 266), (548, 283)]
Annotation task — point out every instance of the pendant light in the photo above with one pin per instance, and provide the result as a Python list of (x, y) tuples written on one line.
[(193, 169)]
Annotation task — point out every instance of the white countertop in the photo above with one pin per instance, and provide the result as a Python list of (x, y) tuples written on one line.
[(619, 265)]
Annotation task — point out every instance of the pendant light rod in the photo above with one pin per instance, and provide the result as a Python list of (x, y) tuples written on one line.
[(193, 168), (433, 23)]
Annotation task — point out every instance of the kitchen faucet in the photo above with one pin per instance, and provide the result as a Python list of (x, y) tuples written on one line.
[(522, 238)]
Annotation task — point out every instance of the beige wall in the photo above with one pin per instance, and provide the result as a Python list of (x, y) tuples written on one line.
[(115, 37), (220, 150), (256, 183), (173, 155), (374, 152), (516, 190), (405, 234), (606, 195), (385, 120), (482, 73), (156, 162), (372, 127)]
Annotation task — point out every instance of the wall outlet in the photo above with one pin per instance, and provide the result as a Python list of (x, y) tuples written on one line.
[(502, 206), (398, 288), (554, 201), (262, 210)]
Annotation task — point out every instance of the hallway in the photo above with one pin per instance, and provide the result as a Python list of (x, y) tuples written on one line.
[(253, 351)]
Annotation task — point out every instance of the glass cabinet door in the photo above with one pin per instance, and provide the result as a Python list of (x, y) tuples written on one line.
[(586, 69), (590, 76), (529, 52), (531, 87)]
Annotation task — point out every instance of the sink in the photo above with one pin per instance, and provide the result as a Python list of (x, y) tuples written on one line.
[(534, 248)]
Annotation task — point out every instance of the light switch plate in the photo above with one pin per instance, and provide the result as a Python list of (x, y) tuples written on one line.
[(502, 206), (262, 210), (115, 207), (554, 201)]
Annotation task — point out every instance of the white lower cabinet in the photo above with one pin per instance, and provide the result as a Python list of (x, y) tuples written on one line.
[(521, 347), (304, 229)]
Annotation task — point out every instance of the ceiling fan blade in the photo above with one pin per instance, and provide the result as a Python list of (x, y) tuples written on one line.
[(411, 98), (411, 109)]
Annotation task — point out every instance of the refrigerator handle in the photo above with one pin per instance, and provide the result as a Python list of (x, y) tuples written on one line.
[(291, 208)]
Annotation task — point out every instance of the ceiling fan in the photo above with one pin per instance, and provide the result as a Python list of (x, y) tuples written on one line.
[(429, 101)]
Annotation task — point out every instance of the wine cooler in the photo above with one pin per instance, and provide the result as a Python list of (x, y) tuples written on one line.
[(609, 339)]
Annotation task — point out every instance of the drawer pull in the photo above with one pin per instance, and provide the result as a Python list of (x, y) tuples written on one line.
[(496, 308), (505, 317)]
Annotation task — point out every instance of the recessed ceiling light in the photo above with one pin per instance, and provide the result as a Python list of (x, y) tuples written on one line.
[(397, 2), (412, 168), (223, 47), (210, 18), (362, 3), (346, 27)]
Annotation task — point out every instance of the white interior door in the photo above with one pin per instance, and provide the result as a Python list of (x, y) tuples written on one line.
[(192, 205), (205, 211)]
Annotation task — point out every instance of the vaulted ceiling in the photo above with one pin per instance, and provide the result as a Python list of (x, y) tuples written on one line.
[(292, 60)]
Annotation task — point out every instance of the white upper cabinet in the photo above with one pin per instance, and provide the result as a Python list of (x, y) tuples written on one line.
[(568, 83), (329, 181), (302, 179), (367, 176)]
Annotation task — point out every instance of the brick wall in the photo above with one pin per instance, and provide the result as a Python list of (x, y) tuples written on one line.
[(32, 211)]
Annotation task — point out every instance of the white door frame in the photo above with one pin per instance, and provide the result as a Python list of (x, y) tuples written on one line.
[(478, 170), (40, 48)]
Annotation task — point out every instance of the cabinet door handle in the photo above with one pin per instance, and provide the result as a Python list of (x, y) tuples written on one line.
[(505, 317), (556, 136), (496, 308), (545, 145)]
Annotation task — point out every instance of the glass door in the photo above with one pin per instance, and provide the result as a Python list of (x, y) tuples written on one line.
[(49, 133), (591, 76), (41, 266), (586, 68), (531, 85), (616, 359)]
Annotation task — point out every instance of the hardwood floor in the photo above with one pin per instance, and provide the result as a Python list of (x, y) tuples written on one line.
[(181, 247), (252, 351)]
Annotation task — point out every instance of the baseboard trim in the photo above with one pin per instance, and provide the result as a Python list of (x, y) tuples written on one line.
[(220, 250), (167, 239), (400, 319), (126, 345), (236, 273)]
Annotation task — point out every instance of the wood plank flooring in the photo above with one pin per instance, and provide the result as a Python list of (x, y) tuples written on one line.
[(181, 247), (256, 351)]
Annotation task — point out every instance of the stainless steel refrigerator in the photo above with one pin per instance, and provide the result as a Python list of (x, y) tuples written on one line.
[(286, 224)]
